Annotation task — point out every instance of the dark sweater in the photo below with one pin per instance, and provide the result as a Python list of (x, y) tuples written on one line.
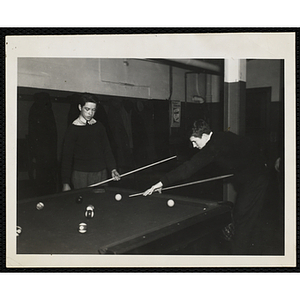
[(234, 154), (86, 149)]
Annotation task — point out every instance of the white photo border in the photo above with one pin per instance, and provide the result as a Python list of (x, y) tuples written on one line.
[(265, 45)]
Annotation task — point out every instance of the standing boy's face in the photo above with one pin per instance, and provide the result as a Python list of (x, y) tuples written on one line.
[(88, 110)]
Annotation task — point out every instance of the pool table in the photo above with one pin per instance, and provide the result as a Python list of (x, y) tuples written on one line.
[(134, 225)]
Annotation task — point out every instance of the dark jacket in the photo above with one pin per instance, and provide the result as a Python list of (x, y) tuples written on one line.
[(234, 154)]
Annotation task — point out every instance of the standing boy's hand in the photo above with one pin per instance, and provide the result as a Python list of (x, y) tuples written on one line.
[(115, 175)]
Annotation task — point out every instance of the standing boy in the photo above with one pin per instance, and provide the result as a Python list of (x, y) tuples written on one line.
[(86, 153)]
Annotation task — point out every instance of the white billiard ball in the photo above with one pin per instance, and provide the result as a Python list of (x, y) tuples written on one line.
[(118, 197), (40, 206), (82, 228), (19, 230), (90, 207), (170, 203)]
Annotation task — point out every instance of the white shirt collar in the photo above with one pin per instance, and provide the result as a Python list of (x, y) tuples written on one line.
[(81, 121)]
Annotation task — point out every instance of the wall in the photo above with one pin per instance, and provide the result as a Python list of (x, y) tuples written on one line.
[(265, 73), (117, 77), (132, 78), (100, 76), (60, 111)]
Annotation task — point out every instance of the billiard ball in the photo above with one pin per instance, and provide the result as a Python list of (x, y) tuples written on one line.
[(89, 214), (79, 199), (82, 228), (19, 230), (118, 197), (170, 203), (90, 207), (40, 206)]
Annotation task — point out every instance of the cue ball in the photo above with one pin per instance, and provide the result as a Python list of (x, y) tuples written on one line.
[(118, 197), (40, 206), (170, 203)]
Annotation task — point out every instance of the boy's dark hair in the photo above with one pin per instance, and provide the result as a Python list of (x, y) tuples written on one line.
[(200, 127), (86, 97)]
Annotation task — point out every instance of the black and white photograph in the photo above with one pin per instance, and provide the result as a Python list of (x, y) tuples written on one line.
[(151, 150)]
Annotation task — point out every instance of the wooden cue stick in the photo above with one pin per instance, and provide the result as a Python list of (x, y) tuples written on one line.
[(133, 171), (186, 184)]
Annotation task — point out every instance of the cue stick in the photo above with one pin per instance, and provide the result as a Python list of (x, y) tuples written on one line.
[(133, 171), (186, 184)]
